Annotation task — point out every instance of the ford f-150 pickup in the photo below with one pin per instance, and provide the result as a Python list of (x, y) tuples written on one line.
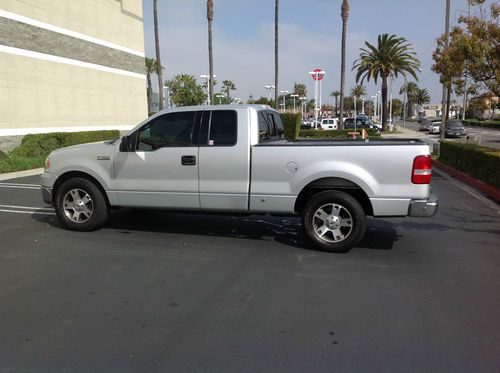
[(234, 159)]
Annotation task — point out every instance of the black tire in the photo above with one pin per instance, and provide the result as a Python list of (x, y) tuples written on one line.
[(340, 224), (80, 205)]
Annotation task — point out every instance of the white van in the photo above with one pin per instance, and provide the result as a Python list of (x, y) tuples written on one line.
[(330, 124)]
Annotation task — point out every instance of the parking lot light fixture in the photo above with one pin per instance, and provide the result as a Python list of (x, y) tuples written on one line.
[(270, 88), (284, 93), (294, 97)]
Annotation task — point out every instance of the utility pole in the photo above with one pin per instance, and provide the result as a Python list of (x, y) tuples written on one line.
[(443, 99)]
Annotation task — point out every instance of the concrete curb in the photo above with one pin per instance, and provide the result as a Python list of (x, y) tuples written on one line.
[(489, 190), (14, 175)]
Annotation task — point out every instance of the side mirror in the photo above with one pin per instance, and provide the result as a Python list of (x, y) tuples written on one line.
[(125, 144)]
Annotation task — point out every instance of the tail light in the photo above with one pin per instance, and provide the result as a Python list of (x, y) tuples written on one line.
[(422, 170)]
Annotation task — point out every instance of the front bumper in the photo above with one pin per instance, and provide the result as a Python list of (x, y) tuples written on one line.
[(426, 207), (47, 195)]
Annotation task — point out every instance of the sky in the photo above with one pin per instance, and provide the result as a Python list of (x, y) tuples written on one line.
[(310, 37)]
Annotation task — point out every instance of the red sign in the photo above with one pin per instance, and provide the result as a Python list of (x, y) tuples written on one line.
[(318, 76)]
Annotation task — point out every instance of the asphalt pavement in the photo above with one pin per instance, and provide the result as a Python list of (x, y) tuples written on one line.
[(158, 291)]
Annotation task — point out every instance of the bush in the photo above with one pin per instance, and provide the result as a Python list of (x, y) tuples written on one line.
[(291, 125), (478, 161), (35, 148), (482, 123), (336, 134), (2, 155)]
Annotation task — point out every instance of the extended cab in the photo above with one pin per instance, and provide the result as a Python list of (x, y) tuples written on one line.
[(233, 159)]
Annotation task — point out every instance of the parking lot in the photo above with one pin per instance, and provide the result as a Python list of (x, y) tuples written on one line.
[(158, 291)]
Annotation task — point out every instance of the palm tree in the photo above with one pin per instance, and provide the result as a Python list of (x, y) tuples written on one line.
[(276, 66), (422, 96), (409, 89), (335, 94), (357, 91), (227, 86), (344, 14), (150, 69), (159, 68), (392, 55), (210, 18)]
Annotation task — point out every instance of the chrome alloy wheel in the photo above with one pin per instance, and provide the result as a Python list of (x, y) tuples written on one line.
[(332, 223), (78, 206)]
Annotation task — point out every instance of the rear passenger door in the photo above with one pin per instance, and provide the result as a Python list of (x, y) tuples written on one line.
[(224, 160)]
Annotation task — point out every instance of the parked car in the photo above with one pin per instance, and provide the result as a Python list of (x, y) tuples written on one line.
[(424, 125), (233, 159), (360, 124), (454, 128), (434, 128)]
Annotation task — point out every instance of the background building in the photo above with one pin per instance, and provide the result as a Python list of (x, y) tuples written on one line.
[(71, 65)]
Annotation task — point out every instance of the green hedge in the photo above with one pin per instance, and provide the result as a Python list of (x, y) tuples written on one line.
[(336, 134), (35, 148), (291, 125), (482, 123), (478, 161), (2, 155)]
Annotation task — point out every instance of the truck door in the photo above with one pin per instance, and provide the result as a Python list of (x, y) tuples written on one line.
[(225, 160), (163, 169)]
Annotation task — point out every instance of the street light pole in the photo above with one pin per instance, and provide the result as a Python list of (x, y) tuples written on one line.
[(294, 97), (363, 106), (270, 88), (284, 93), (443, 99), (207, 77)]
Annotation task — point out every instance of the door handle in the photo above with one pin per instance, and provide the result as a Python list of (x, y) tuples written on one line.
[(188, 160)]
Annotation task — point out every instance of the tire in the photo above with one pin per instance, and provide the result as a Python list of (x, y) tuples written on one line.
[(80, 205), (334, 221)]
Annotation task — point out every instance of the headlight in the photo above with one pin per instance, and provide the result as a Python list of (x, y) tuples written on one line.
[(46, 167)]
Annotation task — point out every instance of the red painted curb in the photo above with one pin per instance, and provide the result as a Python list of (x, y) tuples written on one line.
[(487, 189)]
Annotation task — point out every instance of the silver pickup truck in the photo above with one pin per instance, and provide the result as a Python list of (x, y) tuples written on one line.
[(233, 159)]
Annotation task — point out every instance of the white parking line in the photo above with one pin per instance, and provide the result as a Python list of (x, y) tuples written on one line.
[(20, 186), (27, 208), (28, 212)]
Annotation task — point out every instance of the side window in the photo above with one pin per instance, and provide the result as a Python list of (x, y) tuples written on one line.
[(168, 130), (275, 119), (264, 130), (223, 128)]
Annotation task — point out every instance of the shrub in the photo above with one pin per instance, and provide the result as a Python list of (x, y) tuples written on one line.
[(483, 123), (336, 134), (291, 125), (478, 161), (2, 155), (35, 148)]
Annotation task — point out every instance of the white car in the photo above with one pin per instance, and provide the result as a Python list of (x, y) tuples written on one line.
[(434, 128)]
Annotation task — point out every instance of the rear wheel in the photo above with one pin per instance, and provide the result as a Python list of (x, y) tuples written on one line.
[(80, 205), (334, 221)]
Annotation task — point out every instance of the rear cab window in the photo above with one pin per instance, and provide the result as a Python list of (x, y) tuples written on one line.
[(270, 126)]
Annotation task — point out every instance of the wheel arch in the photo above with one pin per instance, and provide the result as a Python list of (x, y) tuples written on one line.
[(333, 183), (74, 174)]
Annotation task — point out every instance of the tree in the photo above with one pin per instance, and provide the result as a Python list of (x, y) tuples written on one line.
[(210, 18), (276, 65), (185, 91), (422, 96), (300, 89), (397, 105), (473, 53), (227, 86), (336, 94), (357, 91), (409, 89), (150, 69), (159, 67), (392, 55), (345, 15)]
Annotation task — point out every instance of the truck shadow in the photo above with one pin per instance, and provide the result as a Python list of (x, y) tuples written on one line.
[(380, 234)]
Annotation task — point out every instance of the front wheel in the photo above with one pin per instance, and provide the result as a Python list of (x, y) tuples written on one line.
[(334, 221), (80, 205)]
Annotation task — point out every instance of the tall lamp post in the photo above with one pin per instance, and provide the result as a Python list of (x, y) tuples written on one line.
[(284, 93), (270, 88), (207, 78), (294, 97), (219, 96), (303, 106), (317, 75), (363, 105)]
